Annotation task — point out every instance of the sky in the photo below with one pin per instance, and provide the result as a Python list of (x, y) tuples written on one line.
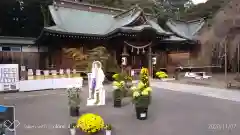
[(199, 1)]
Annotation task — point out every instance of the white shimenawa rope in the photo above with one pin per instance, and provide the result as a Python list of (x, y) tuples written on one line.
[(138, 47)]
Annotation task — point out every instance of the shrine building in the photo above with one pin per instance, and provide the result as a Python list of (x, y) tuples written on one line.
[(131, 36)]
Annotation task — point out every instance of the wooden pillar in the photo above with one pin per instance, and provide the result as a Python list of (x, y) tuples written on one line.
[(150, 61)]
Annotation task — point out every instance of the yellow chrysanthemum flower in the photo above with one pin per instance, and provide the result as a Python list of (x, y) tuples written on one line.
[(115, 83), (145, 92), (133, 88), (161, 74), (140, 85), (118, 85), (90, 123), (144, 71), (149, 89), (115, 76), (122, 82), (136, 94)]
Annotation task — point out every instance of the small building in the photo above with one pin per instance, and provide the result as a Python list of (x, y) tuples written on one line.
[(22, 51), (187, 30), (129, 34)]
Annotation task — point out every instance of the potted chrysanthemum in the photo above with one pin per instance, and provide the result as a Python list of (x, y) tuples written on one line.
[(74, 101), (108, 129), (90, 123), (73, 128), (118, 93), (142, 95)]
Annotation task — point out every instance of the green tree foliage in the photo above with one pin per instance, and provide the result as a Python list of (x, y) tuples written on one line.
[(21, 17), (207, 9)]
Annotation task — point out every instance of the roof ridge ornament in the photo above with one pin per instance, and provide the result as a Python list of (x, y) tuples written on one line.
[(136, 8), (55, 5)]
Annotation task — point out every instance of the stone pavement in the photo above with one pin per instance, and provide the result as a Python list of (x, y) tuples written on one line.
[(233, 95), (171, 113)]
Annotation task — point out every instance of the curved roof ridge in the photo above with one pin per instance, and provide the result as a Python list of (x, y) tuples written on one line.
[(184, 21), (93, 5), (135, 9), (75, 4)]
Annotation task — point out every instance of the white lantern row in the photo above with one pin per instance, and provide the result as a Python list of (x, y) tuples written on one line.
[(48, 73)]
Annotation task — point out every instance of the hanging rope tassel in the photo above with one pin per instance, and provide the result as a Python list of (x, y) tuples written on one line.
[(143, 50), (132, 49), (138, 51)]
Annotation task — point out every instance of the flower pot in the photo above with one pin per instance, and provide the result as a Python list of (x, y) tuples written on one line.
[(117, 103), (117, 97), (141, 113), (74, 111), (108, 132), (72, 131)]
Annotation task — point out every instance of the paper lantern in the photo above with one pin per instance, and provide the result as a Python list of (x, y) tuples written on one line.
[(124, 61), (154, 60)]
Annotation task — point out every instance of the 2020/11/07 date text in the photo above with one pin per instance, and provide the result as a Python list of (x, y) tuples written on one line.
[(222, 126)]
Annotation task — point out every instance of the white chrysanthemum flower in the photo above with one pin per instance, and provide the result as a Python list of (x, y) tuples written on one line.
[(133, 88), (115, 87)]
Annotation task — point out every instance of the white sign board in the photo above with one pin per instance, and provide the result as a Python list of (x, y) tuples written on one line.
[(9, 77)]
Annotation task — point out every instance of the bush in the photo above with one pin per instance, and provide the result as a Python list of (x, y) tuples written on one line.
[(161, 75)]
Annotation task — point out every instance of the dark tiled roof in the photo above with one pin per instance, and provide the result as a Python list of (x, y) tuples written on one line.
[(75, 21), (17, 40), (187, 30)]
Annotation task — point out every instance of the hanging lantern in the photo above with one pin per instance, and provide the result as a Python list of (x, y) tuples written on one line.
[(124, 60), (154, 60)]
